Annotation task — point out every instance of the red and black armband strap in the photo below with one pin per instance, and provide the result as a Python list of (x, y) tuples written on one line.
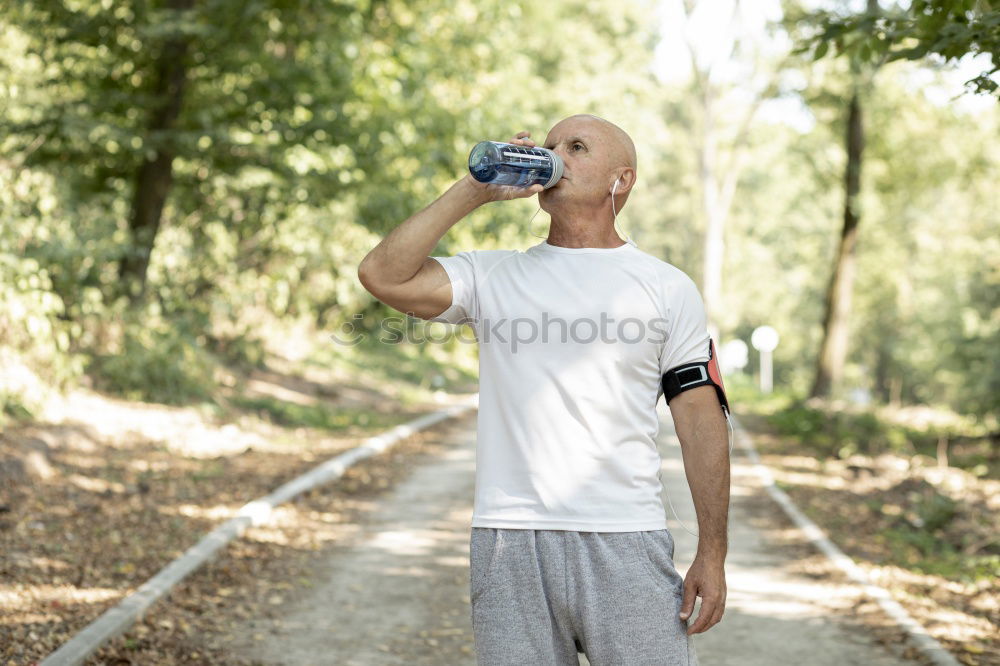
[(692, 375)]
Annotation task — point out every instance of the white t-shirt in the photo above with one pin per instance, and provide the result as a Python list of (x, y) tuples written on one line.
[(572, 345)]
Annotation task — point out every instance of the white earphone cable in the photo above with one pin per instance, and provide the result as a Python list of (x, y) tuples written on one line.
[(529, 225), (628, 239)]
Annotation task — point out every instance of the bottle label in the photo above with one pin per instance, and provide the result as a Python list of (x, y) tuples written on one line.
[(526, 156)]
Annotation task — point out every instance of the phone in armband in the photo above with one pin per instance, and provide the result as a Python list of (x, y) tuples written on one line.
[(692, 375)]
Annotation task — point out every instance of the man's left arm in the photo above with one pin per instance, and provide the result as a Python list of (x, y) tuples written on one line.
[(704, 437)]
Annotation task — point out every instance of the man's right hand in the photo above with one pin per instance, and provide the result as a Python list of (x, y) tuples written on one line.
[(504, 192)]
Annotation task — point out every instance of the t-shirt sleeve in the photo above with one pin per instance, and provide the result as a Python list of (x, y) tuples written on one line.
[(687, 339), (464, 301)]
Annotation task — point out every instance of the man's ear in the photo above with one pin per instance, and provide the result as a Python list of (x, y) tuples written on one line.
[(626, 179)]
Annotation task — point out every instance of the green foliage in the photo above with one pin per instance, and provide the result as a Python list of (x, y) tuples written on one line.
[(925, 323), (319, 415), (832, 432), (156, 363), (35, 332), (243, 351), (923, 551), (949, 29), (935, 511), (308, 130)]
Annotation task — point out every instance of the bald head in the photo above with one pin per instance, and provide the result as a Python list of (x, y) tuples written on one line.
[(623, 150)]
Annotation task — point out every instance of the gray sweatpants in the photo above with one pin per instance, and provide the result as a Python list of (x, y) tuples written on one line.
[(539, 597)]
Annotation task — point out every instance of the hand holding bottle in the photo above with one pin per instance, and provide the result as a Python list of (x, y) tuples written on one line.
[(502, 172)]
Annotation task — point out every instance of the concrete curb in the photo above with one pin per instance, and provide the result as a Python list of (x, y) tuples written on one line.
[(923, 641), (118, 619)]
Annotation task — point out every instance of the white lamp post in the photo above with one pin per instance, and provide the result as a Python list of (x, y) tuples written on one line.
[(765, 339), (734, 356)]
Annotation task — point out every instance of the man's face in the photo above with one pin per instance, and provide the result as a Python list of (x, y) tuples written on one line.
[(587, 149)]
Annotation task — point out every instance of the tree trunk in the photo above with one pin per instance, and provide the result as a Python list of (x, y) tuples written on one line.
[(833, 350), (714, 215), (153, 180), (718, 180), (883, 371)]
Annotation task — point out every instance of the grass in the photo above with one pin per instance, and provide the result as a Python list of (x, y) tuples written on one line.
[(912, 524), (923, 551), (829, 432), (209, 472), (318, 416), (431, 364)]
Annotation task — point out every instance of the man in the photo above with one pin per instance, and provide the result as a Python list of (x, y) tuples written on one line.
[(569, 549)]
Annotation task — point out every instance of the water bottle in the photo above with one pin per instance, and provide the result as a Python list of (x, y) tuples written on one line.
[(509, 164)]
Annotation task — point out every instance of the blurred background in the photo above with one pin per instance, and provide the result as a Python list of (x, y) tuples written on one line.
[(188, 186)]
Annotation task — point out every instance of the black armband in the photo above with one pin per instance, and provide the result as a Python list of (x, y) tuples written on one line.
[(693, 375)]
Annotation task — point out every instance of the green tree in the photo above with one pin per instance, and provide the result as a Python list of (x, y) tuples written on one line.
[(950, 29), (234, 161), (135, 86)]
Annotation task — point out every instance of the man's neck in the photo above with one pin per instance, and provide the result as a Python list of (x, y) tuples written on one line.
[(584, 237), (595, 229)]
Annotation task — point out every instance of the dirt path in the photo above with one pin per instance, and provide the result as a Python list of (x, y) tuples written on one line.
[(396, 590), (785, 603)]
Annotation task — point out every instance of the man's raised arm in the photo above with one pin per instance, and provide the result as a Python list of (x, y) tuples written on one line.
[(399, 271)]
